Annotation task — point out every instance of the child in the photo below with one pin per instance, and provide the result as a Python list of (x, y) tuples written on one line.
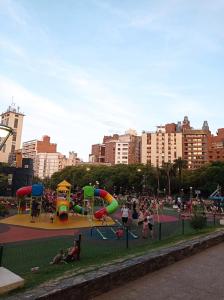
[(119, 233), (104, 220), (52, 217)]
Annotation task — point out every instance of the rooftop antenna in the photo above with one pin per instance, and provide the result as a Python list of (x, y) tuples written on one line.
[(13, 104)]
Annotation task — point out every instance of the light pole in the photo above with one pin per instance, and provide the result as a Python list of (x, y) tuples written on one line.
[(191, 194), (5, 132)]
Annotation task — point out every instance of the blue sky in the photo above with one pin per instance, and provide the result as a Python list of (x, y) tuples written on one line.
[(80, 69)]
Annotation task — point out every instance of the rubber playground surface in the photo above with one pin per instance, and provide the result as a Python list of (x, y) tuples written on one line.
[(30, 231), (43, 222)]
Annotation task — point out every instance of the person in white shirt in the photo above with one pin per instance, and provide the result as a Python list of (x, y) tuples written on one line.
[(124, 214)]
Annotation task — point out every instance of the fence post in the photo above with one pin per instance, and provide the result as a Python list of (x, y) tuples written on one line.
[(79, 246), (183, 223), (1, 254), (160, 231), (127, 237)]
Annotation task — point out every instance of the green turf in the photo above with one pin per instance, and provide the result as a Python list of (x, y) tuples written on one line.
[(22, 256)]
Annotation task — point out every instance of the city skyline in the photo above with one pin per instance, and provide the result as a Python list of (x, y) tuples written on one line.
[(81, 70)]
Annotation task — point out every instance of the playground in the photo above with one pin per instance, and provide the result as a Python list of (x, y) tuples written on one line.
[(31, 239)]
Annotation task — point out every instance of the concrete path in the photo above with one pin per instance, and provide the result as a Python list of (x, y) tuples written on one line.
[(195, 278)]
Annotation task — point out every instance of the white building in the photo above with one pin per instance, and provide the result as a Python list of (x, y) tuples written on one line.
[(162, 146)]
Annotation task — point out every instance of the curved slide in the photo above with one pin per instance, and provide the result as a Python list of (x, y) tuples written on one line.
[(111, 208)]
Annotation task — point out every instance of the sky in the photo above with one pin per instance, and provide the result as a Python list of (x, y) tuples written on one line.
[(82, 69)]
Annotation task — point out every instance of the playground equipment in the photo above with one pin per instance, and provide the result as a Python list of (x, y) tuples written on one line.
[(63, 200), (216, 195), (35, 191), (89, 193)]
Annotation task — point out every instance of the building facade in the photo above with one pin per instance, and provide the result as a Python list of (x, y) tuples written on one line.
[(216, 146), (195, 147), (117, 149), (162, 146), (14, 119)]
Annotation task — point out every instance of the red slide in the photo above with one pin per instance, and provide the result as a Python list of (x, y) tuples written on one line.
[(24, 191)]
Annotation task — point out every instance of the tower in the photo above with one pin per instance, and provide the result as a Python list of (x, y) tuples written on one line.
[(14, 119)]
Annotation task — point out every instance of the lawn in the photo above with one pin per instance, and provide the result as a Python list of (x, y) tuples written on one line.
[(22, 256)]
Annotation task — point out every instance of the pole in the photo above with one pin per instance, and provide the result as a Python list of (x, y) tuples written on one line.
[(1, 254), (160, 231), (127, 237), (183, 225)]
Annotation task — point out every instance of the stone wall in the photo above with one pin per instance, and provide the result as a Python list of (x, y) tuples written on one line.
[(106, 278)]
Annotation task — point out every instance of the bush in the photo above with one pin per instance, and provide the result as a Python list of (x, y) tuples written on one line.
[(198, 222), (3, 211)]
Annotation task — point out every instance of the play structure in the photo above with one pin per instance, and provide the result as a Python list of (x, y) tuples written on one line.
[(64, 213), (89, 194), (34, 192)]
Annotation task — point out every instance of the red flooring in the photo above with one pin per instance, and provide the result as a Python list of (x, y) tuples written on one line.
[(10, 233), (165, 218)]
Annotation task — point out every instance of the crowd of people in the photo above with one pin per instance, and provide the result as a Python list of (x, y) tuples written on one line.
[(141, 211)]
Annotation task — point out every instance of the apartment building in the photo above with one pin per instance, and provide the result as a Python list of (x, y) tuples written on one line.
[(30, 149), (117, 149), (162, 146), (216, 146), (97, 154), (14, 119), (195, 147)]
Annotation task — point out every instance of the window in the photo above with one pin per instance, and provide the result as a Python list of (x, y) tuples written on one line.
[(15, 123), (14, 136)]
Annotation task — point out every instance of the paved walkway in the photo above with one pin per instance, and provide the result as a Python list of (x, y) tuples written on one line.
[(195, 278)]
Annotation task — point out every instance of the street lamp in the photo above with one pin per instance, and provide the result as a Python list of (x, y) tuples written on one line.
[(191, 194), (5, 132)]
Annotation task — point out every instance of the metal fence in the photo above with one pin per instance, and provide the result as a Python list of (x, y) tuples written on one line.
[(99, 245)]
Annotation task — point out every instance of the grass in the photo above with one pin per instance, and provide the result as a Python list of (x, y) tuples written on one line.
[(22, 256)]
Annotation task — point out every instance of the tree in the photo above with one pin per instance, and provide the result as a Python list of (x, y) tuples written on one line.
[(179, 165), (168, 168)]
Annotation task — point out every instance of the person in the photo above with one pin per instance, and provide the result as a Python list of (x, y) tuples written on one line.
[(150, 220), (104, 220), (59, 258), (73, 252), (145, 229), (52, 217), (34, 206), (119, 233), (124, 214), (135, 217)]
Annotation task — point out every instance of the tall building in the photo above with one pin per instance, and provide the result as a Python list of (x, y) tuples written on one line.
[(97, 154), (162, 146), (196, 146), (14, 119), (30, 149), (216, 146), (46, 159), (117, 149)]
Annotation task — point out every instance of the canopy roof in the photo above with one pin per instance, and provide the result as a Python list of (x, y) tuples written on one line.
[(64, 183)]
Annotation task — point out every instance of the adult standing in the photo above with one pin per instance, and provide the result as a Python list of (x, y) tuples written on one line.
[(150, 220), (124, 214)]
